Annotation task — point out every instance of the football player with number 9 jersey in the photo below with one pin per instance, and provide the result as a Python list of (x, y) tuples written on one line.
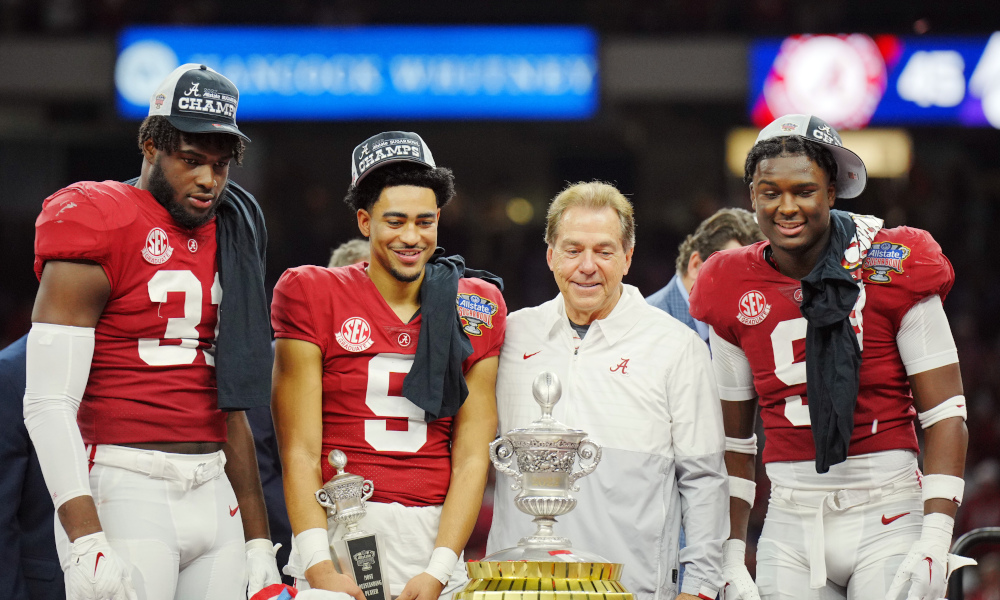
[(156, 487), (834, 327), (393, 362)]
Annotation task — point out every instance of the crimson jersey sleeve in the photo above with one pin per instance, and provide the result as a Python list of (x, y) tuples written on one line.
[(483, 312), (713, 283), (79, 222), (907, 265), (292, 308)]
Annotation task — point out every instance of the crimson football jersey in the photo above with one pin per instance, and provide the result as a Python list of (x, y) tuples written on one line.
[(367, 352), (152, 378), (752, 305)]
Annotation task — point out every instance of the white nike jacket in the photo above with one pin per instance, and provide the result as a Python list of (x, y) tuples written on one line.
[(641, 385)]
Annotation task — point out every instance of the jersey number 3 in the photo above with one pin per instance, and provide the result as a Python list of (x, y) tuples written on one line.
[(184, 328), (385, 398)]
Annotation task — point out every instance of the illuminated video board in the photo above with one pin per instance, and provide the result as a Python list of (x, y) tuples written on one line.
[(374, 72), (852, 81)]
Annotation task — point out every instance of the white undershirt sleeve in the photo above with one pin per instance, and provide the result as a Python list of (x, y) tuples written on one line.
[(924, 338), (57, 369), (732, 369)]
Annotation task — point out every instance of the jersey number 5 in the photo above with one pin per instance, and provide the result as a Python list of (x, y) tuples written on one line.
[(385, 398), (184, 328)]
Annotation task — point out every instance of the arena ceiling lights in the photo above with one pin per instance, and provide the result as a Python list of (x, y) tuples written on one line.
[(311, 73), (853, 81)]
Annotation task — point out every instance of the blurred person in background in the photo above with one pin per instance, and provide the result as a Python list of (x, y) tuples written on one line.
[(149, 338), (27, 542), (653, 412), (354, 370), (350, 252), (728, 228), (851, 515)]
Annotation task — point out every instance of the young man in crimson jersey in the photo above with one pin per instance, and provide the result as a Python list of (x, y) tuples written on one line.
[(834, 327), (164, 502), (394, 362)]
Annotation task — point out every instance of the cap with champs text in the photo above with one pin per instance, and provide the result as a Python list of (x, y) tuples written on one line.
[(851, 173), (197, 99), (386, 148)]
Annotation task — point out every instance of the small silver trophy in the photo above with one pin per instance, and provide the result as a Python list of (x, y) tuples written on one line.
[(358, 553), (545, 452)]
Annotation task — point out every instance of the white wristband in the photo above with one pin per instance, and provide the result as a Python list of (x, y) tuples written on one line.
[(742, 446), (313, 547), (744, 489), (442, 564), (952, 407), (949, 487)]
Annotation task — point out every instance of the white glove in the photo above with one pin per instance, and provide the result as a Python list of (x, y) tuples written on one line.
[(928, 565), (739, 585), (262, 566), (95, 572)]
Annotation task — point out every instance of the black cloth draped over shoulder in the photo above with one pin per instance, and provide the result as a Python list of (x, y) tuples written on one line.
[(435, 382)]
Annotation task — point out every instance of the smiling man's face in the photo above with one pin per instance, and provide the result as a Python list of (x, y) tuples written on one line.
[(588, 260)]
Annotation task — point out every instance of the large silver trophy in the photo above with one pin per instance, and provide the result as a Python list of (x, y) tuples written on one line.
[(357, 553), (544, 565)]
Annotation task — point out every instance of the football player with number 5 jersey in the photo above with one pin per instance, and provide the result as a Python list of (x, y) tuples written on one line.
[(834, 327), (156, 487), (393, 362)]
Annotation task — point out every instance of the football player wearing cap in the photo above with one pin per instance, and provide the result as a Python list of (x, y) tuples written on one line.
[(392, 361), (155, 486), (834, 327)]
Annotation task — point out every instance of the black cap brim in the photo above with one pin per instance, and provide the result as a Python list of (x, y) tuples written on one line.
[(196, 125)]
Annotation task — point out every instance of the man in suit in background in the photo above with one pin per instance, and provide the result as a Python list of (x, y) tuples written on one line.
[(728, 228), (30, 566)]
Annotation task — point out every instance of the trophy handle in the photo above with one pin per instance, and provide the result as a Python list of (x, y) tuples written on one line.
[(590, 455), (324, 500), (367, 489), (502, 455)]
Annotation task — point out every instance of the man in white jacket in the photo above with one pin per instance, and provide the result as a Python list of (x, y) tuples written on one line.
[(640, 383)]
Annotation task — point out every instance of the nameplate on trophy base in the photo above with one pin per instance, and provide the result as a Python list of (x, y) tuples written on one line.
[(359, 557)]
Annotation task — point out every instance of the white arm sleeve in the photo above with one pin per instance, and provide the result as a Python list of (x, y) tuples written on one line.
[(58, 366), (732, 369), (924, 338)]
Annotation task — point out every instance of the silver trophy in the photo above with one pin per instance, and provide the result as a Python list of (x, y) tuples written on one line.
[(358, 553), (545, 453)]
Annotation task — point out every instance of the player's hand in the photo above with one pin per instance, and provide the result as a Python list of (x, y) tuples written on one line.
[(924, 572), (262, 566), (423, 586), (323, 576), (95, 572), (739, 585)]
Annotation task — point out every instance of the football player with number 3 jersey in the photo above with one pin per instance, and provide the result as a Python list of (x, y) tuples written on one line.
[(834, 327), (393, 362), (156, 488)]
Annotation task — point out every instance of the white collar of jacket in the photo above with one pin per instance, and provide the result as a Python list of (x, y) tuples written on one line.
[(623, 316)]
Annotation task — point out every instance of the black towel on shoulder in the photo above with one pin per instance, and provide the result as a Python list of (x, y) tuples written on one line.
[(243, 344), (833, 356), (435, 382)]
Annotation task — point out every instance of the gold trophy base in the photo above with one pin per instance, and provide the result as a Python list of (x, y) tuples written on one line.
[(530, 580)]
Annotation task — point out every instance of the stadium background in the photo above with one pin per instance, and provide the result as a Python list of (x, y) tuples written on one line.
[(674, 83)]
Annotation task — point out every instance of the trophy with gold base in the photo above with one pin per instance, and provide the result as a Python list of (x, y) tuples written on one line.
[(358, 553), (544, 566)]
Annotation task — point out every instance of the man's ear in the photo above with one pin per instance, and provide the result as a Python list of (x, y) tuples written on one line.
[(365, 223), (694, 265), (149, 151)]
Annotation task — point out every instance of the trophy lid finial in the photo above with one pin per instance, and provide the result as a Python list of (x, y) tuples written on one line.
[(338, 459), (547, 390)]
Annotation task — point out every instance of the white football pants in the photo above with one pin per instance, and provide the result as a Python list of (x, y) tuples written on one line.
[(858, 537), (173, 518)]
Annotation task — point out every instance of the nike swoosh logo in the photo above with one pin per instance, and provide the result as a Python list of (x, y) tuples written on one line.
[(887, 520), (930, 569), (527, 356), (100, 555), (232, 511)]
